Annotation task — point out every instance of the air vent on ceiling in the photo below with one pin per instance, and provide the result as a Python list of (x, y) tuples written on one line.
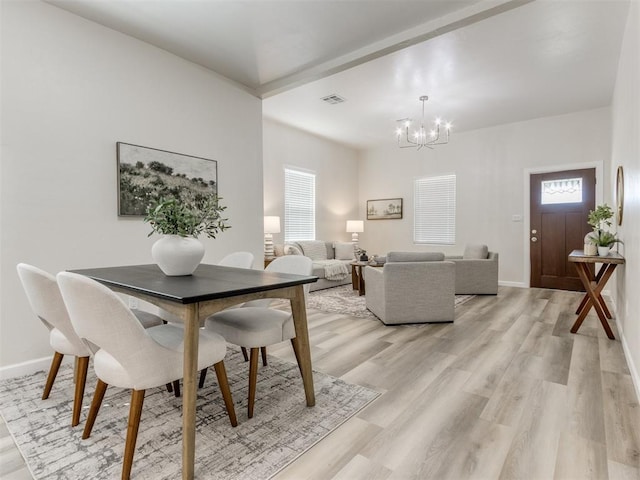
[(333, 99)]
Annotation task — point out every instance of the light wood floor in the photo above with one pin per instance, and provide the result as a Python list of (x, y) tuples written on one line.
[(505, 392)]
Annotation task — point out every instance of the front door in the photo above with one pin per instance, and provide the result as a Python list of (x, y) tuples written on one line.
[(560, 204)]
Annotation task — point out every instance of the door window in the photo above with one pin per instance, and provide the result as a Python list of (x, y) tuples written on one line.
[(566, 190)]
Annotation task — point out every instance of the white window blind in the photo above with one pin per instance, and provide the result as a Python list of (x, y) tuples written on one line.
[(299, 205), (434, 219)]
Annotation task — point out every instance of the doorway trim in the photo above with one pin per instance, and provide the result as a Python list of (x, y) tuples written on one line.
[(599, 166)]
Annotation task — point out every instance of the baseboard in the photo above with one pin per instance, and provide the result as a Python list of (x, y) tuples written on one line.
[(29, 367), (635, 378), (512, 284)]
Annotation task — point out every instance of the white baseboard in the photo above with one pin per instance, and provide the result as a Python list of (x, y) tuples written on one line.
[(635, 378), (29, 367), (512, 284)]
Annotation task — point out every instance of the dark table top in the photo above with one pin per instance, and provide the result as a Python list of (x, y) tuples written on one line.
[(208, 282)]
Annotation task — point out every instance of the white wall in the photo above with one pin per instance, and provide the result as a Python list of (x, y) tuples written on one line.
[(70, 90), (626, 152), (490, 166), (336, 169)]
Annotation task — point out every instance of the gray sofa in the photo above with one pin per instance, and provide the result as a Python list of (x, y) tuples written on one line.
[(334, 252), (476, 271), (412, 287)]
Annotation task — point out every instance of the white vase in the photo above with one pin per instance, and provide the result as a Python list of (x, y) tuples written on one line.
[(603, 251), (590, 249), (176, 255)]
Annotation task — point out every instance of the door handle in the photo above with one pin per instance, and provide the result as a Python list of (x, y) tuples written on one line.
[(534, 239)]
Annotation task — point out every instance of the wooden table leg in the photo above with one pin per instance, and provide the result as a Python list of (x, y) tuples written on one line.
[(191, 334), (299, 311), (597, 278), (354, 277), (360, 281), (593, 297)]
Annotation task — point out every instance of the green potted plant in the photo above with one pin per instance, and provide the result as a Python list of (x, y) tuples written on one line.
[(179, 251), (600, 220)]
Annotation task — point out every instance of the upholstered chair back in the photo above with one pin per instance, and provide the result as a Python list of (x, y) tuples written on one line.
[(47, 303), (238, 260), (294, 264)]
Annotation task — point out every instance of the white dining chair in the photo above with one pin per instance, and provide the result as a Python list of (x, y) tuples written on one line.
[(237, 260), (257, 327), (46, 302), (128, 356)]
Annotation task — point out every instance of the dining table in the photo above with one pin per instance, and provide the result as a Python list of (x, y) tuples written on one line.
[(192, 298)]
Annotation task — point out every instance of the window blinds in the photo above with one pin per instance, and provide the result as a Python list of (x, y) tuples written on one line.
[(299, 205), (435, 210)]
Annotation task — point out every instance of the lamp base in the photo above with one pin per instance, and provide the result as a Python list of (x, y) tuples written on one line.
[(268, 245)]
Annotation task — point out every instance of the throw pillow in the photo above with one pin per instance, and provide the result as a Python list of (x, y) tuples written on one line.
[(278, 250), (291, 250), (476, 252), (314, 249), (344, 250)]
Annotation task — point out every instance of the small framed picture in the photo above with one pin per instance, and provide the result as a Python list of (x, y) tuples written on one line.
[(384, 209)]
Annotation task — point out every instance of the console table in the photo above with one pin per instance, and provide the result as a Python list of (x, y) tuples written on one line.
[(594, 285)]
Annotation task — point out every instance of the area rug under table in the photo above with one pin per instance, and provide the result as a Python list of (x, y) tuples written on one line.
[(282, 429), (345, 300)]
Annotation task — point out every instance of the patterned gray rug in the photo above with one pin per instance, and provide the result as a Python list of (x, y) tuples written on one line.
[(282, 428), (345, 299)]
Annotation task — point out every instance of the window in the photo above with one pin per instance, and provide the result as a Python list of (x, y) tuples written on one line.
[(568, 190), (434, 220), (299, 205)]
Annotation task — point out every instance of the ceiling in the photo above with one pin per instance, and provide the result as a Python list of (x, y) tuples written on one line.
[(481, 62)]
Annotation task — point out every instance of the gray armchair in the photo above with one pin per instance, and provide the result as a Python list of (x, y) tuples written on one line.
[(412, 287), (476, 271)]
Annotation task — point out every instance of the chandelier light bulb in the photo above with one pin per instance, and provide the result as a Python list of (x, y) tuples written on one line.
[(438, 121)]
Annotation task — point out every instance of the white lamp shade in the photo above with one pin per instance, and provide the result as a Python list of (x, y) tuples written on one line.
[(271, 224), (355, 226)]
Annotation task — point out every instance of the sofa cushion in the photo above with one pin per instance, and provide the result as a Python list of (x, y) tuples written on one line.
[(314, 249), (344, 251), (415, 257), (475, 252), (292, 250), (330, 251)]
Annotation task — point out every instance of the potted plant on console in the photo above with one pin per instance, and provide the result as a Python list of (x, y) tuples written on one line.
[(179, 251), (603, 239)]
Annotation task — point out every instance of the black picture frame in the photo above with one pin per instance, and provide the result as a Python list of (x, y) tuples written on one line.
[(147, 174), (384, 209)]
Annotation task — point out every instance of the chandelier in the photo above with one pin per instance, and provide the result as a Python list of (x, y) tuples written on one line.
[(418, 138)]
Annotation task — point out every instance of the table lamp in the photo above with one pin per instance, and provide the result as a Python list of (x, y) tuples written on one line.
[(354, 227), (271, 226)]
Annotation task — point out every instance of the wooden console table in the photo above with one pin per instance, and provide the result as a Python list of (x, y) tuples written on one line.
[(594, 285)]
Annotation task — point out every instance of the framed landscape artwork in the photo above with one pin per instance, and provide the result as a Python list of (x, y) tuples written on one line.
[(147, 174), (384, 209)]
